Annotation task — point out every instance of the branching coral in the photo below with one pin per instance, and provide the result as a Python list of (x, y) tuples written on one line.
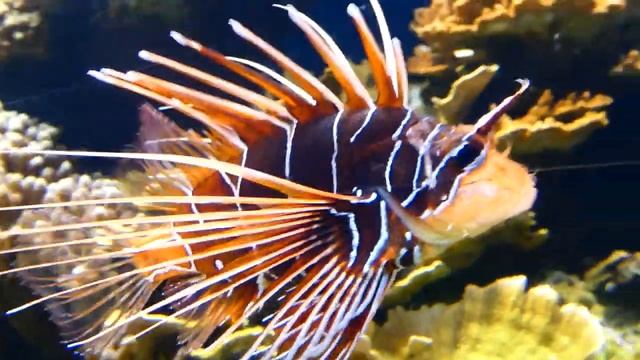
[(499, 321), (19, 23), (554, 125), (24, 177), (74, 187), (548, 125)]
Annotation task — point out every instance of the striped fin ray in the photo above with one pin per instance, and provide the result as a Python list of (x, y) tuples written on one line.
[(260, 101), (108, 288), (324, 315), (387, 95), (283, 186), (326, 101), (287, 95), (229, 282), (357, 95), (223, 116)]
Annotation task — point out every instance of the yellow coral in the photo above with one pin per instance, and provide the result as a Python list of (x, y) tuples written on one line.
[(550, 125), (414, 281), (465, 16), (448, 25), (463, 92), (619, 268), (233, 348), (629, 64), (499, 321)]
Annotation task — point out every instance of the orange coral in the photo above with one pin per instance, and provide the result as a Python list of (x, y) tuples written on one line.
[(423, 62)]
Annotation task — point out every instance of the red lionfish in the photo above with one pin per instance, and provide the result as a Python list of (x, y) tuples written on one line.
[(298, 204)]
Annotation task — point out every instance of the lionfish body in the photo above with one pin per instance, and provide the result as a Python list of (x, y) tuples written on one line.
[(295, 212)]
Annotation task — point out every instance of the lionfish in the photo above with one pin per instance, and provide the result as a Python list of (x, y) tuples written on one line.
[(291, 207)]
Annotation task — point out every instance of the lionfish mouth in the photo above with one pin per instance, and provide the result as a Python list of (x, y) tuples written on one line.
[(298, 200)]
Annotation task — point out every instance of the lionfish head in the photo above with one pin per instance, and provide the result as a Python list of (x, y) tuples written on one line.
[(467, 185)]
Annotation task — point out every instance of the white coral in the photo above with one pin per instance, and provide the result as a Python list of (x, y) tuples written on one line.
[(19, 22), (24, 177)]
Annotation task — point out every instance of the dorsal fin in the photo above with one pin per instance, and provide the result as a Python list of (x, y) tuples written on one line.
[(358, 97)]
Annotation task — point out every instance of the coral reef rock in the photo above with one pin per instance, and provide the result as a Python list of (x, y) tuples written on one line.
[(620, 269), (499, 321), (629, 65), (20, 22), (24, 177), (91, 243), (610, 290), (554, 125), (576, 40)]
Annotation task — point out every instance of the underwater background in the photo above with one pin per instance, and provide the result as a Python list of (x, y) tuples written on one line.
[(582, 215)]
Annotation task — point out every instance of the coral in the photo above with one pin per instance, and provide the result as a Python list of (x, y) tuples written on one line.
[(410, 284), (20, 22), (629, 64), (520, 231), (24, 177), (545, 40), (72, 188), (157, 344), (499, 321), (447, 18), (554, 125), (424, 62), (549, 124), (51, 279), (233, 348), (608, 289), (463, 92), (620, 269)]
